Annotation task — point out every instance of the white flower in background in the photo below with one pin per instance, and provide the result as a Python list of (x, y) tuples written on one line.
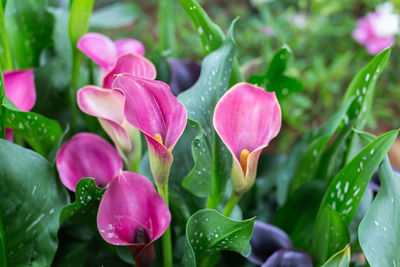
[(377, 29), (388, 23)]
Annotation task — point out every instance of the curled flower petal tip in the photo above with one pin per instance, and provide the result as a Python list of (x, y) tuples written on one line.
[(131, 213), (151, 107), (246, 118), (133, 64), (87, 155)]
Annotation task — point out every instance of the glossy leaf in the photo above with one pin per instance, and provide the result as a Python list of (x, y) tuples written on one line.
[(32, 196), (345, 191), (379, 229), (39, 132), (87, 200), (275, 79), (5, 60), (113, 16), (362, 87), (330, 234), (211, 35), (80, 12), (29, 27), (340, 259), (208, 231), (212, 159)]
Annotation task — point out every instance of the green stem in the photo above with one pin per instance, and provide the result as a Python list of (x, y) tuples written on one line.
[(230, 205), (166, 240), (166, 26), (215, 197), (77, 56), (5, 60)]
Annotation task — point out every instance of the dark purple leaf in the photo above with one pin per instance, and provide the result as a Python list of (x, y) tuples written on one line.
[(266, 239), (184, 74), (289, 258)]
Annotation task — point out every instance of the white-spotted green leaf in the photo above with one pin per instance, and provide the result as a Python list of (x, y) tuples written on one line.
[(31, 198), (38, 131), (211, 35), (208, 231), (379, 231), (340, 259), (345, 191), (87, 200), (362, 87), (212, 166)]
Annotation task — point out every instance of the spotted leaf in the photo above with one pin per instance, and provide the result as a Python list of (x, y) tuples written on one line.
[(345, 191), (208, 231), (87, 200), (39, 132)]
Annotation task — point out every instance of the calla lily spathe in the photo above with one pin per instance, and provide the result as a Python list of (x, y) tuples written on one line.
[(246, 118), (20, 89), (104, 52), (151, 107), (131, 213), (87, 155), (107, 104)]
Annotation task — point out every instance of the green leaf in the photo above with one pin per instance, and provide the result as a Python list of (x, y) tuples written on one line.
[(113, 16), (330, 234), (275, 79), (340, 259), (3, 248), (29, 29), (362, 87), (297, 216), (39, 132), (2, 95), (379, 229), (84, 209), (208, 231), (211, 35), (5, 60), (166, 26), (212, 159), (31, 200), (345, 191), (79, 19)]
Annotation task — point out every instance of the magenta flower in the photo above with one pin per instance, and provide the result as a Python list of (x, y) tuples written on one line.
[(246, 118), (104, 52), (151, 107), (20, 89), (131, 213), (376, 30), (107, 104), (87, 155)]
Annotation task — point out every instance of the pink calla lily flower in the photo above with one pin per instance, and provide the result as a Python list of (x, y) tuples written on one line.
[(87, 155), (107, 105), (20, 89), (246, 118), (104, 52), (131, 213), (151, 107)]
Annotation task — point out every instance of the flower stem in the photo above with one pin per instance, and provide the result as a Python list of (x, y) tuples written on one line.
[(166, 240), (233, 200)]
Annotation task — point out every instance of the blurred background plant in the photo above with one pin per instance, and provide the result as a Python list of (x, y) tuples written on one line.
[(318, 32)]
